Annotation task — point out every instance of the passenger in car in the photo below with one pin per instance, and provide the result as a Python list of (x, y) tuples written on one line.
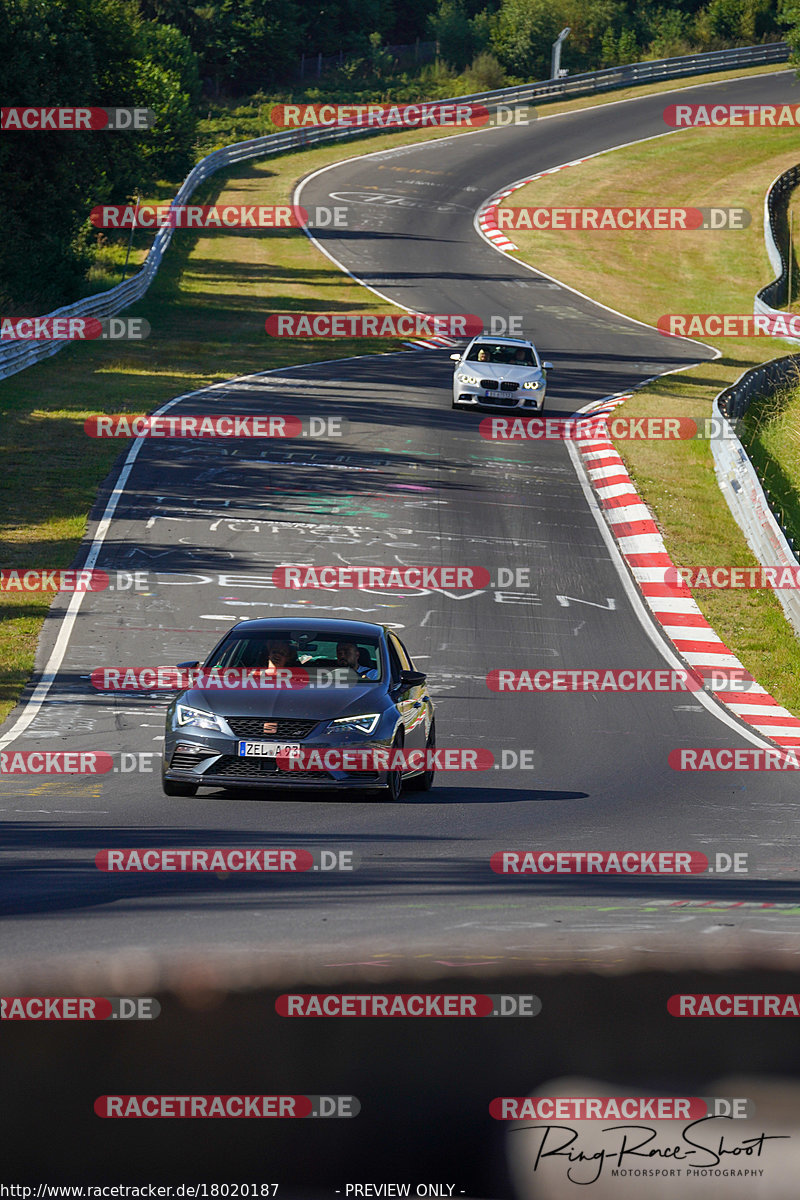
[(347, 655)]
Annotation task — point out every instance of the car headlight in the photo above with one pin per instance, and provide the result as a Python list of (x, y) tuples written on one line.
[(363, 723), (469, 379), (532, 384), (198, 717)]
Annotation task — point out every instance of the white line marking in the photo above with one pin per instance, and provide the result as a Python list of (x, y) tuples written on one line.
[(53, 665)]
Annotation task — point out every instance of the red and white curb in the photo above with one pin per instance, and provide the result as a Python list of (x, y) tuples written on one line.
[(643, 549), (487, 214), (433, 343)]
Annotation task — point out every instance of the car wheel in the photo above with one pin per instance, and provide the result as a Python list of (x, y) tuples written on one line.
[(171, 788), (393, 787), (424, 782)]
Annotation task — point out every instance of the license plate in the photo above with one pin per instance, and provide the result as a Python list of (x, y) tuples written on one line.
[(268, 749)]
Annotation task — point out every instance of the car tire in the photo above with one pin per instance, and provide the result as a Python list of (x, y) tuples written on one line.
[(172, 788), (392, 789), (424, 782)]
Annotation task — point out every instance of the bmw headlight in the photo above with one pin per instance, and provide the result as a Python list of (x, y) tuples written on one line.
[(532, 384), (363, 723), (469, 379), (198, 717)]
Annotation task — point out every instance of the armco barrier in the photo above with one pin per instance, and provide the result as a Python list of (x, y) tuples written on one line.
[(16, 356), (739, 482), (736, 474), (776, 237)]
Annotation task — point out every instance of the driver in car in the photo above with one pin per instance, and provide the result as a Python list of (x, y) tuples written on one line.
[(282, 656)]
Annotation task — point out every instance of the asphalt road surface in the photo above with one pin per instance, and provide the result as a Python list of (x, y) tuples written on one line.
[(409, 481)]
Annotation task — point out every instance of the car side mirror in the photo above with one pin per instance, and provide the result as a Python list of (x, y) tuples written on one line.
[(187, 666), (455, 358), (412, 678), (548, 367)]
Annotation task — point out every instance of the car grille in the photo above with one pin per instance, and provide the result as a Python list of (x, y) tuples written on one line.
[(509, 386), (248, 768), (489, 384), (287, 727), (186, 758)]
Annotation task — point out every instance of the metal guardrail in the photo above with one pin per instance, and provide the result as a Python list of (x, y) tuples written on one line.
[(739, 481), (736, 475), (16, 356), (776, 238)]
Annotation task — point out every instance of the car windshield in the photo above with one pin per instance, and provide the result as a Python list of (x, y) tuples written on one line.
[(355, 659), (497, 354)]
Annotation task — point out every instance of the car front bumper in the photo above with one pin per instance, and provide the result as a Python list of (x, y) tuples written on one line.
[(527, 401), (211, 764)]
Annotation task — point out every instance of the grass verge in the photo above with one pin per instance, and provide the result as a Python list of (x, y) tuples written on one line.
[(648, 274), (772, 438)]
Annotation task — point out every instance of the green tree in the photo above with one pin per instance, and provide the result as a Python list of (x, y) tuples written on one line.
[(668, 33), (80, 52), (627, 47), (452, 28), (608, 49), (736, 21), (522, 32)]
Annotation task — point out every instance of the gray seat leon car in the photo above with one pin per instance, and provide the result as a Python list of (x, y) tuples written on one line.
[(353, 687)]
